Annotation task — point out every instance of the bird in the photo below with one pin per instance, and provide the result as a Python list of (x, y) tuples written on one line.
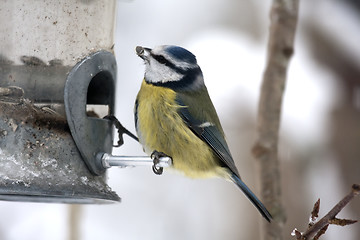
[(175, 117)]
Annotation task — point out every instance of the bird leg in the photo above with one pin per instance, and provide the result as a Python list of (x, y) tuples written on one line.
[(121, 130), (155, 155)]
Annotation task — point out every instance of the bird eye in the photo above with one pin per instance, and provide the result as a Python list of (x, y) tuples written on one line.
[(161, 59)]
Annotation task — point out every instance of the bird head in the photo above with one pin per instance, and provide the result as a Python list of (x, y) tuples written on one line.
[(171, 66)]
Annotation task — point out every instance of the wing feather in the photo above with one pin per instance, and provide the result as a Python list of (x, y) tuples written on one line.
[(205, 124)]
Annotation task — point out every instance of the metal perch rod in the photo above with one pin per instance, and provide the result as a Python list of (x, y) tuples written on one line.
[(109, 160)]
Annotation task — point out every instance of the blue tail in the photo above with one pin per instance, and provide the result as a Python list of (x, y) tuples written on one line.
[(249, 194)]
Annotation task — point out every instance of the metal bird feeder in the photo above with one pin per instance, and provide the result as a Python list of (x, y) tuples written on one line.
[(56, 59)]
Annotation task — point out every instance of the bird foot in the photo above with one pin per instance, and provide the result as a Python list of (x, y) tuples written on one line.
[(121, 130), (155, 156)]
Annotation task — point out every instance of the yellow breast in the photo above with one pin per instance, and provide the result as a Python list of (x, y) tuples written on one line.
[(161, 128)]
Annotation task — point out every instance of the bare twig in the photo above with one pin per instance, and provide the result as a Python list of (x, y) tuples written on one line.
[(314, 213), (280, 49), (321, 232), (319, 228)]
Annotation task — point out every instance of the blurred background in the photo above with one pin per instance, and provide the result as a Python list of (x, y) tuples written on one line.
[(320, 126)]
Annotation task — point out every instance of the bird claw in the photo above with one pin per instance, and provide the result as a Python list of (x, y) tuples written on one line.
[(121, 130), (155, 155)]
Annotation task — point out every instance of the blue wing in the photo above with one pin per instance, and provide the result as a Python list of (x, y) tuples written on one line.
[(205, 124), (207, 127)]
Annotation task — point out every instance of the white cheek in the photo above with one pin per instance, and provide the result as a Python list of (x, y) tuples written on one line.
[(156, 72)]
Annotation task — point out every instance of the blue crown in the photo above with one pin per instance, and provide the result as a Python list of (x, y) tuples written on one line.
[(181, 54)]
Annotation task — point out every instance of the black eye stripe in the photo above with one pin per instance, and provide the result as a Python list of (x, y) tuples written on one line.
[(161, 59)]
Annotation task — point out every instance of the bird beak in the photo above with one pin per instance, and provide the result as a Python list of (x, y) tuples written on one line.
[(143, 52)]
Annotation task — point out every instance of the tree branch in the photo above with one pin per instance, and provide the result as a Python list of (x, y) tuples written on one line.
[(283, 18), (317, 229)]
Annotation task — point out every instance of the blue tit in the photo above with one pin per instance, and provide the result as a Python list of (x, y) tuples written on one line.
[(174, 115)]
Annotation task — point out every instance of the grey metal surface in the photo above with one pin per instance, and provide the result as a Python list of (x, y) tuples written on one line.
[(91, 81), (40, 162), (43, 83)]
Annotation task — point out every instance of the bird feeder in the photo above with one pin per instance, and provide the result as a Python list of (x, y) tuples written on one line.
[(56, 60)]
